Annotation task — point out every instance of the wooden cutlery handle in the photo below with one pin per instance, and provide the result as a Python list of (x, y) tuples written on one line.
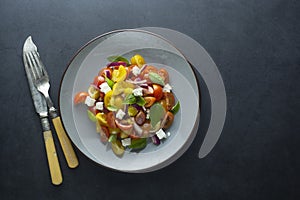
[(53, 163), (65, 143)]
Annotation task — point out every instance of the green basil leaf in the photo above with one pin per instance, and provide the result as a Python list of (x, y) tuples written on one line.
[(140, 101), (117, 58), (129, 99), (155, 78), (156, 113), (139, 143)]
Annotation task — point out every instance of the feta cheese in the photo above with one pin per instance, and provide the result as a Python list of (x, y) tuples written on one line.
[(138, 92), (89, 101), (167, 88), (168, 134), (136, 70), (120, 114), (99, 106), (104, 87), (161, 134), (126, 142)]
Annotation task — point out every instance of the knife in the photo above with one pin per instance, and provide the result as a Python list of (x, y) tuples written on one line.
[(41, 108)]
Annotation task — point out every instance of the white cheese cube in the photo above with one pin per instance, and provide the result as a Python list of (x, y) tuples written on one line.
[(126, 142), (136, 70), (167, 88), (99, 106), (89, 101), (104, 87), (120, 114), (138, 92), (161, 134)]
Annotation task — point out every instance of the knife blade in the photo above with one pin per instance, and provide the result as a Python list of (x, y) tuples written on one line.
[(41, 109)]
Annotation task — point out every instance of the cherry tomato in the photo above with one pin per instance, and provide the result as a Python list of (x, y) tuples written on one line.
[(94, 92), (164, 74), (145, 73), (98, 80), (104, 133), (170, 100), (168, 120), (163, 103), (105, 72), (107, 98), (149, 101), (157, 91), (137, 60), (110, 118), (119, 74), (80, 97)]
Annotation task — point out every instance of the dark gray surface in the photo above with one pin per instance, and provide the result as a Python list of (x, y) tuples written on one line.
[(255, 44)]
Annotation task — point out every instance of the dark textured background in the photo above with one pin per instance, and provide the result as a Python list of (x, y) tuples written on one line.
[(255, 44)]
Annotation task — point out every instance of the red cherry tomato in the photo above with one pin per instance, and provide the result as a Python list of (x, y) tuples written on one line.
[(168, 120), (105, 72), (164, 74), (157, 91), (111, 120), (104, 133), (98, 80), (145, 73), (170, 100), (80, 97)]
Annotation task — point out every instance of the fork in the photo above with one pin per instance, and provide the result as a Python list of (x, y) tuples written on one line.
[(42, 83)]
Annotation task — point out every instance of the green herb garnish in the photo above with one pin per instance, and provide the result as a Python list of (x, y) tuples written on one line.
[(157, 112), (117, 58), (155, 78)]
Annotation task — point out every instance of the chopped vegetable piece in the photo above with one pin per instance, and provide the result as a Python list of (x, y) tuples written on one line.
[(130, 99), (117, 58), (80, 97), (101, 117), (175, 108), (119, 74), (157, 112), (137, 60), (91, 116), (138, 143), (132, 111), (155, 78), (140, 101), (109, 82), (112, 138), (155, 140), (117, 148)]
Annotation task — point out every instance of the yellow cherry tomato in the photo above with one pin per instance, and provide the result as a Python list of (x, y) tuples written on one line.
[(119, 74), (137, 60), (107, 98), (101, 117)]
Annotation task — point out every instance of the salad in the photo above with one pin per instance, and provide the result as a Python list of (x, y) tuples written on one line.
[(131, 103)]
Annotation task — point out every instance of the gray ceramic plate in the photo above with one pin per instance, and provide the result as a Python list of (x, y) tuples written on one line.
[(157, 51)]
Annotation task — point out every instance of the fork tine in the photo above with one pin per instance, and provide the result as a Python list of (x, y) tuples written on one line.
[(36, 66), (31, 66), (40, 64)]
